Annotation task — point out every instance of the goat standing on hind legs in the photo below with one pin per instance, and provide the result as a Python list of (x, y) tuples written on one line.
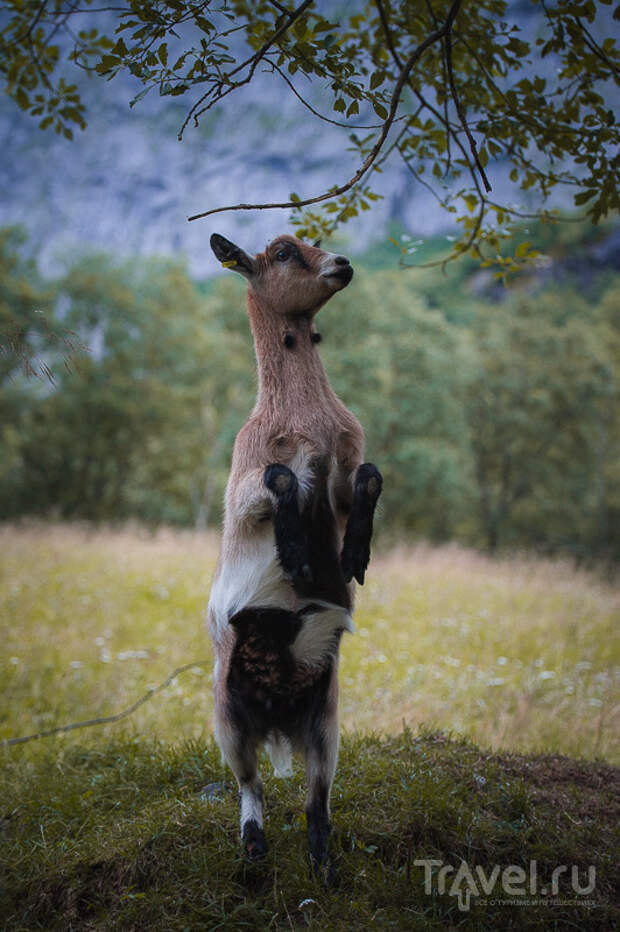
[(297, 526)]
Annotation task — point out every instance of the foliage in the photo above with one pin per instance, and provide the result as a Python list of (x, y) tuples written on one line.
[(123, 432), (494, 422), (462, 89), (29, 334), (543, 417), (403, 369)]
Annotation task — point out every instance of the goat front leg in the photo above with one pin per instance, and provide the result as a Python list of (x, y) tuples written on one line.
[(356, 546), (291, 536)]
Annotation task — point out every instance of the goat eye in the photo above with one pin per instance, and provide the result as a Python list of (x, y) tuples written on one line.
[(282, 255)]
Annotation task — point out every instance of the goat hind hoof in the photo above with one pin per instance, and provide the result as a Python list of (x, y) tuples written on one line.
[(255, 841), (325, 871)]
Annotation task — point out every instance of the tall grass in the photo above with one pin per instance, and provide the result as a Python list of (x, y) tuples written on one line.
[(517, 652)]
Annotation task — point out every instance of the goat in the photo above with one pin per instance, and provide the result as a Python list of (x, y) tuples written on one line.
[(298, 519)]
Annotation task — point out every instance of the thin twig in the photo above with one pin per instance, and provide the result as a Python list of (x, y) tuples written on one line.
[(316, 113), (374, 152), (28, 32), (590, 41), (461, 113), (252, 61), (105, 719)]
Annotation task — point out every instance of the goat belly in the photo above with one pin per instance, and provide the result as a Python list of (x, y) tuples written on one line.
[(271, 684)]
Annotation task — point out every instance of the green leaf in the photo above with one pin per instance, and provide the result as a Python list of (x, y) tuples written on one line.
[(340, 105), (521, 250), (380, 110), (584, 196), (162, 54), (376, 79), (22, 98), (139, 96)]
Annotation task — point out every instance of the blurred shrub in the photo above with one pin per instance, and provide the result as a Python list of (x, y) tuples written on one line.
[(494, 423)]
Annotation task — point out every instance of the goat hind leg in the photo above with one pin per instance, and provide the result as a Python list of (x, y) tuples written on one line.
[(240, 753), (289, 527), (356, 546), (321, 758)]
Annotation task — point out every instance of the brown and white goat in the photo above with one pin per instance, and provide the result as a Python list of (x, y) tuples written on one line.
[(297, 526)]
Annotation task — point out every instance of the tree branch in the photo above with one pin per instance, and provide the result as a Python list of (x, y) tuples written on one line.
[(461, 113), (316, 113), (105, 719), (374, 152)]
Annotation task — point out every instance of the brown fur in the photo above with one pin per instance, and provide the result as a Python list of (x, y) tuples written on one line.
[(296, 406)]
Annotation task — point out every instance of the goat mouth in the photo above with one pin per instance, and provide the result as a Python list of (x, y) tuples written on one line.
[(344, 275)]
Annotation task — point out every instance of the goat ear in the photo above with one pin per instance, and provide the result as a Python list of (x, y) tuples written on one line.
[(231, 256), (317, 243)]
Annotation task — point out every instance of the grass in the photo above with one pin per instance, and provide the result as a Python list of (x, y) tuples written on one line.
[(518, 653), (107, 828), (117, 835)]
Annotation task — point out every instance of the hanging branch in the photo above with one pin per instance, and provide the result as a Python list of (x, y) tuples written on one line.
[(374, 152), (461, 114)]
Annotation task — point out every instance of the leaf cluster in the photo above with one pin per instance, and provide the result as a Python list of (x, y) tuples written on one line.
[(457, 90)]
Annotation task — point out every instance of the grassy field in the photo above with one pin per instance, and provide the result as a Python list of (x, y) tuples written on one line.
[(513, 653), (107, 827)]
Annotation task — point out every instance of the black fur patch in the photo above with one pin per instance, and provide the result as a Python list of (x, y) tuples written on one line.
[(267, 688), (356, 546), (328, 582), (290, 533), (319, 830)]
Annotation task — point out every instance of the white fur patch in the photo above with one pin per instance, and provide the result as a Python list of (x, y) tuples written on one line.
[(251, 806), (254, 578), (280, 753), (328, 263), (315, 639), (300, 465)]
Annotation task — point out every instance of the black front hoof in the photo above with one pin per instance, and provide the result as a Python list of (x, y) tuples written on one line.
[(254, 840), (280, 480), (368, 482), (354, 564)]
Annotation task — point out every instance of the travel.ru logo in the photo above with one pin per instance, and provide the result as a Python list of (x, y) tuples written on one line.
[(517, 886)]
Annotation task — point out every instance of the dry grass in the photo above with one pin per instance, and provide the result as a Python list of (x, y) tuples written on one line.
[(516, 653)]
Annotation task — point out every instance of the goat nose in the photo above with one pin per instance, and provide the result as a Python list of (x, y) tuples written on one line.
[(341, 260)]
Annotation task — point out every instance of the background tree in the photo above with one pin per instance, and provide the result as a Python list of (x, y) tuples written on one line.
[(455, 87), (542, 410), (495, 415)]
